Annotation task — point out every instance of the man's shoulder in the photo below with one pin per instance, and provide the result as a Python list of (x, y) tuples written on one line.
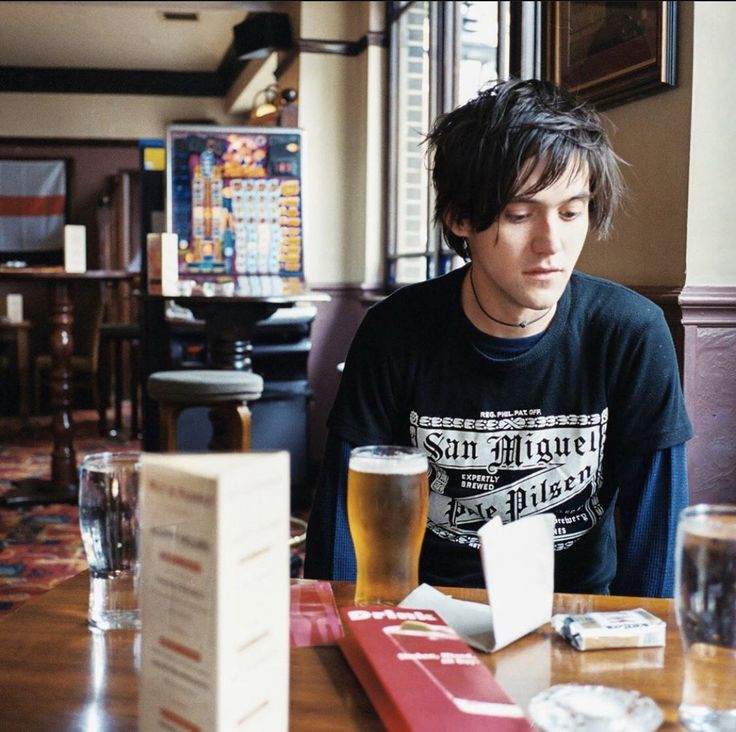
[(609, 302)]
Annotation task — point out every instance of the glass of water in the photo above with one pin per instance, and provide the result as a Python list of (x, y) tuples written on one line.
[(705, 598), (109, 523)]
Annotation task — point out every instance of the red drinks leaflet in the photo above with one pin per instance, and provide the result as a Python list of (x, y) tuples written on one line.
[(421, 676), (314, 620)]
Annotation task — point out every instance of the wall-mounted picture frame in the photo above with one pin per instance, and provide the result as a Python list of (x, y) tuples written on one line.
[(612, 52), (34, 206)]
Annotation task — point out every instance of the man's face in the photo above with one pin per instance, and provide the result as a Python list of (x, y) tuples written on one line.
[(524, 260)]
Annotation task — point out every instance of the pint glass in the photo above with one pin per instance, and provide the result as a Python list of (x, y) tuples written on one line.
[(388, 496), (108, 520), (705, 599)]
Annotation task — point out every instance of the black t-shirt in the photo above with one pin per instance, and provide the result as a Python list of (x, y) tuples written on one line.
[(549, 430)]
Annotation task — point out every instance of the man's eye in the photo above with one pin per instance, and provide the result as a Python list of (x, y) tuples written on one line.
[(516, 218), (570, 215)]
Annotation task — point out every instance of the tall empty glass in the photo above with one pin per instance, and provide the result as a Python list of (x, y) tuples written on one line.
[(705, 597), (109, 523), (388, 496)]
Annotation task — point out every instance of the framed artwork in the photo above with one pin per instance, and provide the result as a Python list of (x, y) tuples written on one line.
[(33, 206), (234, 199), (612, 52)]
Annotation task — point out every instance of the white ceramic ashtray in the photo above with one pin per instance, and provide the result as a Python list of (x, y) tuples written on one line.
[(568, 707)]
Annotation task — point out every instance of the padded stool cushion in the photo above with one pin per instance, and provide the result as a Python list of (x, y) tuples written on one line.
[(204, 386)]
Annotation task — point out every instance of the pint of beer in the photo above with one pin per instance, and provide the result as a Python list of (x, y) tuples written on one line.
[(388, 496)]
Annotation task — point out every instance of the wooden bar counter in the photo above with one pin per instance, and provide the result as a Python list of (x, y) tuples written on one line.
[(56, 674)]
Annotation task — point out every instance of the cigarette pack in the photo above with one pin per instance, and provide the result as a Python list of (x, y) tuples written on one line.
[(215, 592), (421, 677), (618, 629)]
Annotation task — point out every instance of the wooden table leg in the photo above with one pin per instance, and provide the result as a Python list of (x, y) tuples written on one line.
[(24, 369), (63, 458), (135, 378), (119, 351), (62, 488), (103, 385)]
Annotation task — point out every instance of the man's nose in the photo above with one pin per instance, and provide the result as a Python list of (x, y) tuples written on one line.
[(548, 235)]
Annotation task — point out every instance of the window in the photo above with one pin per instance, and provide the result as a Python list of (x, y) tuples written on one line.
[(441, 54)]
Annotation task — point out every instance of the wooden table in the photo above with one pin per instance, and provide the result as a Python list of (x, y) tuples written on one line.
[(56, 675), (231, 320), (62, 488), (229, 324)]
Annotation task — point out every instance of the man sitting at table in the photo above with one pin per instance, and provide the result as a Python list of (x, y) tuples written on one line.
[(532, 387)]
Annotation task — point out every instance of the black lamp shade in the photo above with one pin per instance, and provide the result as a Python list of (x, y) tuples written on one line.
[(260, 34)]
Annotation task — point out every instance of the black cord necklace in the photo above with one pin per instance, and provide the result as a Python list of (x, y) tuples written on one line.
[(522, 324)]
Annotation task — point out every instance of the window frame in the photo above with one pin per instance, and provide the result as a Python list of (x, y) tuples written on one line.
[(519, 54)]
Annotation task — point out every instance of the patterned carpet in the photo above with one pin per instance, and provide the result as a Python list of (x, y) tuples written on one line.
[(41, 546)]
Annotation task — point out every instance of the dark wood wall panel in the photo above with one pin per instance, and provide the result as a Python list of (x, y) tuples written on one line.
[(709, 323)]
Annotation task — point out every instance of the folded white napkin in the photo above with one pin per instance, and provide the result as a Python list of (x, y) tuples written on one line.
[(518, 566)]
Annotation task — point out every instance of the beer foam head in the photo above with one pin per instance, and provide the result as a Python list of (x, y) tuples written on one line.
[(390, 462), (722, 527)]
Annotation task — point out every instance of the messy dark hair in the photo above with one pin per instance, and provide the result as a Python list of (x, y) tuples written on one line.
[(483, 149)]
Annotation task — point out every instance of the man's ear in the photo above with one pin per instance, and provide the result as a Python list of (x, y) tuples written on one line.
[(460, 228)]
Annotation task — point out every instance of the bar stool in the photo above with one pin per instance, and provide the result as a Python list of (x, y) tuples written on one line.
[(227, 393)]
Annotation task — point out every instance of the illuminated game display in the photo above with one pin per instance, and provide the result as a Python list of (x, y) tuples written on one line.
[(235, 201)]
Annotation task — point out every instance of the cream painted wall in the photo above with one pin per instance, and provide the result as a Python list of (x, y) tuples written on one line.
[(649, 241), (83, 116), (711, 251), (342, 21), (334, 170), (341, 112)]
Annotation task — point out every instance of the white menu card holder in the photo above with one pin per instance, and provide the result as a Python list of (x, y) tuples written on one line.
[(215, 591), (170, 264), (75, 248), (14, 307), (518, 566)]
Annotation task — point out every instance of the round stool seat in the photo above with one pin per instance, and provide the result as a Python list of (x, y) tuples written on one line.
[(204, 386)]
